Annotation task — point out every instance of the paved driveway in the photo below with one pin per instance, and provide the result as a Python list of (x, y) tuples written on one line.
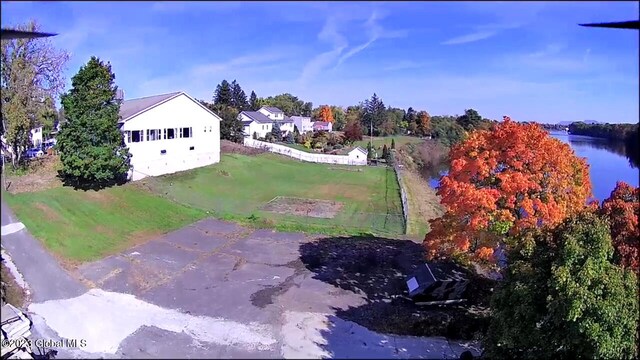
[(218, 290)]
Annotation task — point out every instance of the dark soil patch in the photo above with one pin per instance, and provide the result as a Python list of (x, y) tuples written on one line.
[(229, 147), (378, 268), (325, 209)]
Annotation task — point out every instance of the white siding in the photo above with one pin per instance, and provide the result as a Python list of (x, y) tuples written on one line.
[(304, 124), (36, 136), (201, 149)]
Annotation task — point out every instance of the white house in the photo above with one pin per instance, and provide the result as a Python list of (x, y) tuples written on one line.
[(358, 155), (260, 122), (322, 126), (36, 136), (169, 133), (304, 124)]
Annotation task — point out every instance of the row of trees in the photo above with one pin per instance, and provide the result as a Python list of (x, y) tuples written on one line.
[(370, 117), (517, 199)]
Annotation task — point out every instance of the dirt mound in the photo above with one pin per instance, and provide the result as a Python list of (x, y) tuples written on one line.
[(229, 147), (303, 207), (41, 174)]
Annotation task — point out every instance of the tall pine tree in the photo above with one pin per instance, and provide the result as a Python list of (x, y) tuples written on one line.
[(223, 94), (253, 101), (238, 97), (91, 147)]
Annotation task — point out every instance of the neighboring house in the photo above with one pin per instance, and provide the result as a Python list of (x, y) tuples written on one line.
[(169, 133), (261, 121), (304, 124), (322, 126), (36, 136)]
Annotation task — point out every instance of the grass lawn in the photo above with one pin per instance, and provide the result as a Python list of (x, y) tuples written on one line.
[(84, 226), (380, 141), (238, 187), (81, 226)]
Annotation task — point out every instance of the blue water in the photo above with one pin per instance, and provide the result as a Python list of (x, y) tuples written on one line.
[(607, 163)]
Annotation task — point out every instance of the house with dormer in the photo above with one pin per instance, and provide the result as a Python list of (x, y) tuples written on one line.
[(261, 122)]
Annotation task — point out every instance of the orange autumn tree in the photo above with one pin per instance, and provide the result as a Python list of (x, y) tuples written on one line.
[(621, 210), (502, 181), (325, 114)]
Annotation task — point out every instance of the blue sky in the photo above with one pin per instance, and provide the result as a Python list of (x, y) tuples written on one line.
[(529, 60)]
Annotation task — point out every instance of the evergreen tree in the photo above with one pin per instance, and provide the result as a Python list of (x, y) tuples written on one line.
[(276, 132), (238, 97), (223, 94), (393, 143), (374, 115), (230, 127), (92, 151), (253, 101)]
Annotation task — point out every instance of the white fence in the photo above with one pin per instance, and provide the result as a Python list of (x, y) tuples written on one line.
[(305, 156), (403, 192)]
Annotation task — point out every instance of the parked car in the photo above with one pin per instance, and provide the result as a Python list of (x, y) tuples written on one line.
[(32, 153)]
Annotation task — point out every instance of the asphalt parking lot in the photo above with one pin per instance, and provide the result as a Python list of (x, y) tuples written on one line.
[(216, 289)]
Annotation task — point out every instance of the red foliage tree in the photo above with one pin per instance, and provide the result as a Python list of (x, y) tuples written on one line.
[(621, 210), (353, 131), (502, 181)]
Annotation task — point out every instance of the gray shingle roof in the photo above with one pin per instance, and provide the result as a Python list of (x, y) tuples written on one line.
[(273, 110), (262, 118), (128, 108)]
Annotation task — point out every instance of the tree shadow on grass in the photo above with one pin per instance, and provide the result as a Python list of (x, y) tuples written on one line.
[(378, 269), (80, 184)]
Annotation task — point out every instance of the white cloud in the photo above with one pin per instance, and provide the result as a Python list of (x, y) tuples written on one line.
[(375, 32), (330, 34), (483, 32), (476, 36)]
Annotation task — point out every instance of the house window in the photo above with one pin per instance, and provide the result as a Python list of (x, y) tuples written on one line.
[(171, 133), (185, 132), (153, 134), (191, 147), (162, 152), (137, 135), (209, 128)]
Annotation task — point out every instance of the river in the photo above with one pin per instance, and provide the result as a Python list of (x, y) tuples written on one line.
[(608, 163)]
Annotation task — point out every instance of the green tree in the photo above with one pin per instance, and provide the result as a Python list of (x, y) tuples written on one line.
[(238, 97), (253, 101), (276, 132), (47, 117), (369, 151), (290, 139), (446, 130), (471, 120), (223, 94), (562, 297), (32, 71), (374, 114), (393, 144), (92, 151), (340, 118), (231, 127), (289, 104)]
